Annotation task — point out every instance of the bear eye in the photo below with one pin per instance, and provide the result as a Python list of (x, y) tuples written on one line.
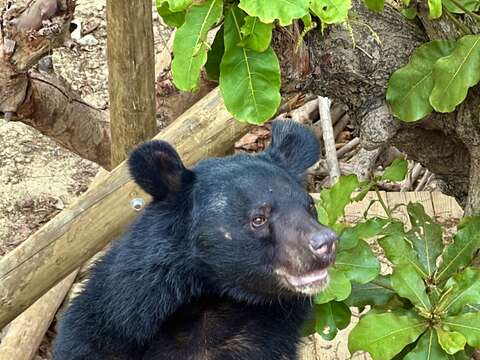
[(312, 208), (258, 221)]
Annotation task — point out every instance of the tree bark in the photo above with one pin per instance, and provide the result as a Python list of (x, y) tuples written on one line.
[(131, 79), (29, 30), (358, 76)]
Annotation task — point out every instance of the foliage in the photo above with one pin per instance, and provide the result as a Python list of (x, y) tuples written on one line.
[(437, 78), (427, 308), (241, 57)]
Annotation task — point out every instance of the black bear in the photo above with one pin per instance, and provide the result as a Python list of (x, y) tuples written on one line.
[(220, 266)]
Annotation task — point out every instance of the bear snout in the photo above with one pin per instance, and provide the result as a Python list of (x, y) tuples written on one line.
[(323, 243)]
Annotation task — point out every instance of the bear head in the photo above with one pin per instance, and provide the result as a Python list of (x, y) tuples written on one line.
[(252, 231)]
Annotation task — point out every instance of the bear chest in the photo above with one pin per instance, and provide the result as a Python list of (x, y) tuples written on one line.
[(222, 330)]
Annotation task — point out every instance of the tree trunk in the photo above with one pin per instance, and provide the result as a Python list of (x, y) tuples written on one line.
[(446, 144), (29, 30)]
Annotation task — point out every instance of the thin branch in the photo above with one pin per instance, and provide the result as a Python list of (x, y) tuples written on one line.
[(328, 138)]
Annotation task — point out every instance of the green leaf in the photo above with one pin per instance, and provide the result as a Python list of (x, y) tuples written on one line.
[(359, 264), (190, 44), (468, 325), (471, 5), (427, 348), (249, 80), (410, 14), (331, 11), (455, 74), (256, 34), (331, 317), (178, 5), (426, 237), (409, 87), (396, 171), (174, 19), (375, 5), (334, 200), (362, 231), (460, 253), (214, 56), (285, 11), (385, 335), (464, 289), (408, 284), (400, 252), (377, 293), (338, 288), (435, 8), (451, 341)]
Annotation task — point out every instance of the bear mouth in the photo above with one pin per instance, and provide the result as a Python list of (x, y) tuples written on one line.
[(309, 283)]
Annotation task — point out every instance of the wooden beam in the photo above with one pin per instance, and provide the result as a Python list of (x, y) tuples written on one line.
[(26, 332), (104, 211), (131, 75)]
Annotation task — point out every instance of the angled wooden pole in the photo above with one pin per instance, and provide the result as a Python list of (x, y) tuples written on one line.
[(103, 212)]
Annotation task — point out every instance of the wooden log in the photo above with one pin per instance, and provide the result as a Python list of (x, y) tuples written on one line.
[(131, 75), (26, 332), (104, 211)]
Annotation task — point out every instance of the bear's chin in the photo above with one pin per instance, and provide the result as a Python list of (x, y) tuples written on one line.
[(308, 284)]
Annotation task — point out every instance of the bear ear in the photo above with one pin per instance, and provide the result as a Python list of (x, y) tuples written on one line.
[(294, 147), (158, 169)]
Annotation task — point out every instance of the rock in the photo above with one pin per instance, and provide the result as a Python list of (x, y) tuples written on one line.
[(77, 32), (88, 40)]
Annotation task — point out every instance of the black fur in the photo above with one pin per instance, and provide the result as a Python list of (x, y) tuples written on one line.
[(191, 279)]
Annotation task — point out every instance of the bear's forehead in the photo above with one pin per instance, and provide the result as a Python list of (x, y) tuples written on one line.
[(245, 180)]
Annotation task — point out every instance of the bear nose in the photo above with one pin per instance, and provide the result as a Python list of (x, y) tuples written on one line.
[(323, 242)]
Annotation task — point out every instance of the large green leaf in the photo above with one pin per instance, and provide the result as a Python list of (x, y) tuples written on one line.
[(190, 44), (338, 288), (385, 335), (359, 264), (396, 171), (451, 341), (375, 5), (350, 237), (331, 11), (377, 293), (426, 237), (174, 19), (331, 317), (285, 11), (249, 80), (399, 251), (435, 8), (471, 5), (409, 87), (427, 348), (334, 200), (467, 324), (463, 289), (460, 253), (455, 74), (214, 56), (256, 34), (408, 284)]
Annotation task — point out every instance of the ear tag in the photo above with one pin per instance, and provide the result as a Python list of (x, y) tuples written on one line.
[(137, 204)]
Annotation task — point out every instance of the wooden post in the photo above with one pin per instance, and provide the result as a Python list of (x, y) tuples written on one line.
[(26, 332), (131, 74), (103, 212)]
